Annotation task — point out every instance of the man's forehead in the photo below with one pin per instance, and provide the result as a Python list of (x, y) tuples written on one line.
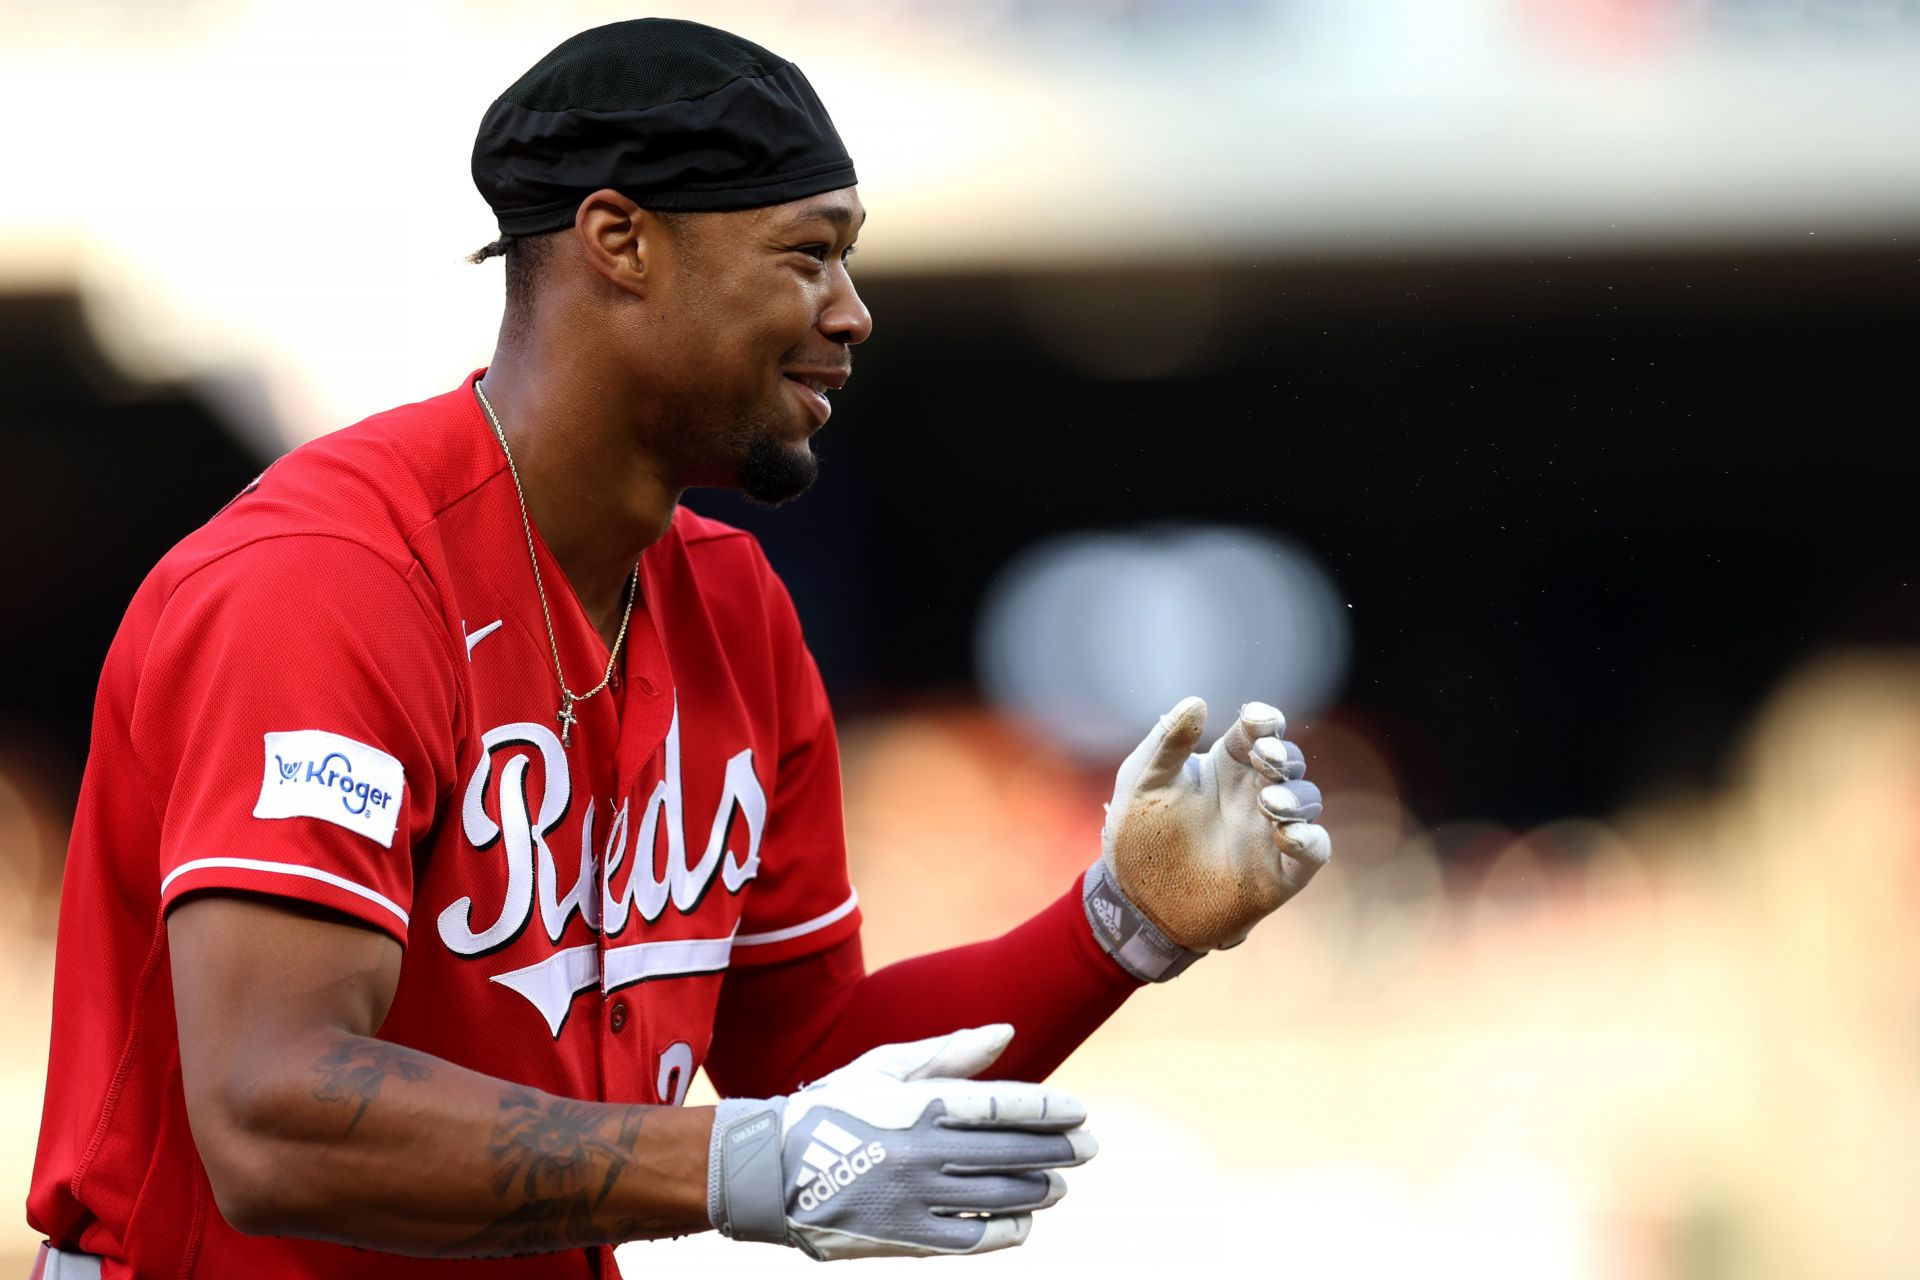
[(842, 208)]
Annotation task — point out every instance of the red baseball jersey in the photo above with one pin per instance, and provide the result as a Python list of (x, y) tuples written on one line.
[(340, 691)]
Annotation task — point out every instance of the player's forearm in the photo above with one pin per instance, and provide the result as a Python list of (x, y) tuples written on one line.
[(355, 1140)]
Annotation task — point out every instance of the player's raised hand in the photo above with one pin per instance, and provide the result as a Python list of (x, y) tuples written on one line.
[(898, 1153), (1199, 848)]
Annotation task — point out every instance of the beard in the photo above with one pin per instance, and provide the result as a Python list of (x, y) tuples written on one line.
[(772, 472)]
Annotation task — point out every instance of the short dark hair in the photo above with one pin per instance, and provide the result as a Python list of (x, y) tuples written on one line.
[(526, 255)]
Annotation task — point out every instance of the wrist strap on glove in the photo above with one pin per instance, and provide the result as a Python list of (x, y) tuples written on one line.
[(746, 1199), (1135, 942)]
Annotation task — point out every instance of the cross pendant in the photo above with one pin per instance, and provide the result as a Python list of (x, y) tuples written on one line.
[(566, 719)]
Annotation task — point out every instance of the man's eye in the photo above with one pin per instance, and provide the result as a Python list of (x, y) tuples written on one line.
[(818, 252)]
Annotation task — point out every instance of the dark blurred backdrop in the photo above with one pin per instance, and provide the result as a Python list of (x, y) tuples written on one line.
[(1585, 510)]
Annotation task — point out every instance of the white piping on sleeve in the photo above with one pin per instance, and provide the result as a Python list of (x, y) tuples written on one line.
[(287, 869), (814, 925)]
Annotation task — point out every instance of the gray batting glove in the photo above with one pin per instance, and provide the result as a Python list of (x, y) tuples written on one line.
[(897, 1154), (1197, 849)]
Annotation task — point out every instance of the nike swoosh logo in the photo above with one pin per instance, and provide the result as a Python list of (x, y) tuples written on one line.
[(475, 637)]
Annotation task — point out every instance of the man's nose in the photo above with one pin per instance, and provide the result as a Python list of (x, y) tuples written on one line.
[(846, 318)]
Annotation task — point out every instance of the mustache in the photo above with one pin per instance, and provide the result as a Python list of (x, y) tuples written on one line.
[(839, 362)]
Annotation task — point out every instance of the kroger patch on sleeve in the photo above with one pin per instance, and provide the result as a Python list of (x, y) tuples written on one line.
[(311, 773)]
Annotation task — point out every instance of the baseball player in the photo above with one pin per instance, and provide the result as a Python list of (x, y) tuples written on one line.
[(455, 796)]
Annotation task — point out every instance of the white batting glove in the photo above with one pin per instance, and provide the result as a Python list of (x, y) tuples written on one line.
[(896, 1154), (1197, 849)]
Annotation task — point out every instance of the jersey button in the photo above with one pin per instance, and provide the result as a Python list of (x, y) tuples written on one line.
[(646, 686), (617, 1017)]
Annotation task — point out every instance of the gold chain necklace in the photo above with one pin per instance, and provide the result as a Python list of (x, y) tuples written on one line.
[(568, 698)]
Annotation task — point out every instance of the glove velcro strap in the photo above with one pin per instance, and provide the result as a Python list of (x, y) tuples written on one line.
[(1135, 942), (746, 1196)]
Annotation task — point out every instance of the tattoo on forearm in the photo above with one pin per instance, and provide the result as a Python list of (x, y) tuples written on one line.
[(561, 1159), (353, 1071)]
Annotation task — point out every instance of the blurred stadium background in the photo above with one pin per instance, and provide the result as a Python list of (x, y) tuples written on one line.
[(1512, 387)]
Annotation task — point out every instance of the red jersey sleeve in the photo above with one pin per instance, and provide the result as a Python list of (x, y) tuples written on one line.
[(802, 900), (296, 725), (779, 1027)]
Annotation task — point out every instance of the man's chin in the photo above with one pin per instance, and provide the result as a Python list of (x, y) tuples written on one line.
[(773, 472)]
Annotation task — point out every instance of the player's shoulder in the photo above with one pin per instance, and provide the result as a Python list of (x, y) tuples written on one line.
[(694, 529), (728, 566), (715, 545), (742, 597), (338, 513), (371, 485)]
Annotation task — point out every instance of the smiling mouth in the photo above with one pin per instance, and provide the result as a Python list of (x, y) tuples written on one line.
[(816, 389)]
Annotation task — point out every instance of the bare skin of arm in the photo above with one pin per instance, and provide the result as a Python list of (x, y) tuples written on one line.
[(310, 1126)]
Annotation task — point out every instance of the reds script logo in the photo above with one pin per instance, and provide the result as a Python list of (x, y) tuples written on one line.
[(600, 895)]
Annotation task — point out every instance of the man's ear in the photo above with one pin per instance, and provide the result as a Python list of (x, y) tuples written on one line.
[(618, 239)]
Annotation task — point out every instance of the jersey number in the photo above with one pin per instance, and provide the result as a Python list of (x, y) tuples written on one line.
[(676, 1073)]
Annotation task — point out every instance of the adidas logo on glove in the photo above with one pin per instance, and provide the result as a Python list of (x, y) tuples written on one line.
[(833, 1159)]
